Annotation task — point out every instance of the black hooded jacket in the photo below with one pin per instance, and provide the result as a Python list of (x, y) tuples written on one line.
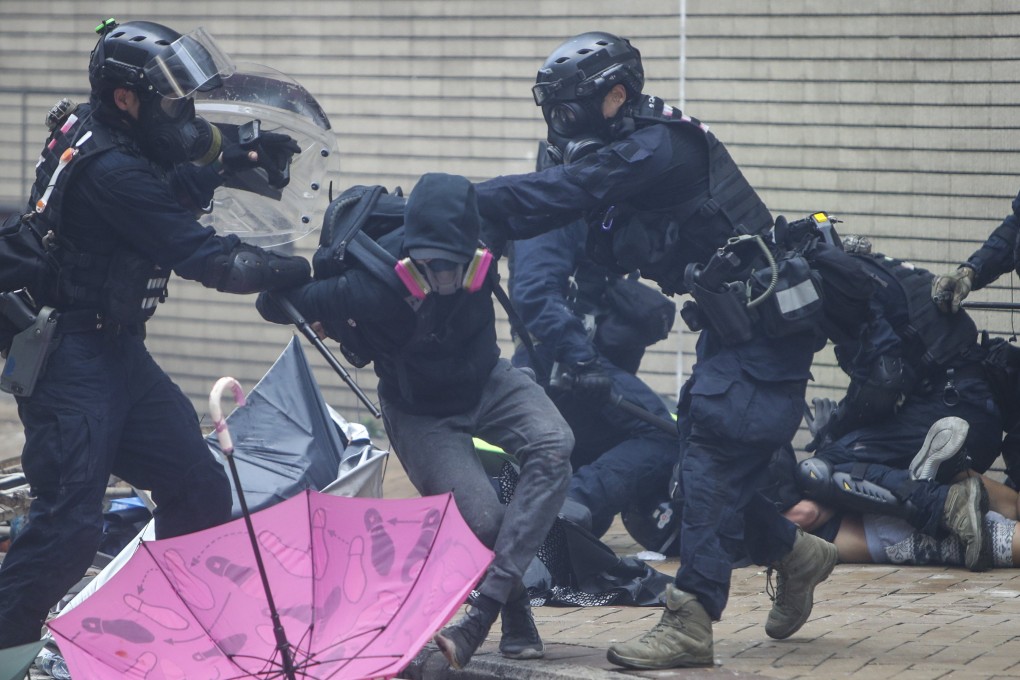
[(431, 361)]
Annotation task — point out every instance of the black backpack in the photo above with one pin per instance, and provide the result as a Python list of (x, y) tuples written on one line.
[(27, 257), (354, 222), (352, 227), (28, 261)]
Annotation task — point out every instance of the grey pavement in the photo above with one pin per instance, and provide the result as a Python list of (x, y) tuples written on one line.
[(869, 621)]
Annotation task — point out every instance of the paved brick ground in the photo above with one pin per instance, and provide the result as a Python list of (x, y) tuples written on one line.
[(871, 622)]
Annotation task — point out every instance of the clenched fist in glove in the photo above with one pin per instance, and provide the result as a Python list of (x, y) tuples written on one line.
[(248, 147), (949, 290), (587, 378)]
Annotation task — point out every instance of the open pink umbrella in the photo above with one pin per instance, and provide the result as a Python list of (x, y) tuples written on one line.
[(316, 586)]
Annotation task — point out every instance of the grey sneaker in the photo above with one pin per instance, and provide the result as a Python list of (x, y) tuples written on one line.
[(459, 642), (682, 638), (963, 515), (809, 563), (943, 443), (520, 638)]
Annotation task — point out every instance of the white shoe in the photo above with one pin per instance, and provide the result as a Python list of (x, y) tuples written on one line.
[(944, 441)]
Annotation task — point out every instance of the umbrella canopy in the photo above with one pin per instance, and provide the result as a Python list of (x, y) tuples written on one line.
[(14, 661), (285, 437), (360, 585)]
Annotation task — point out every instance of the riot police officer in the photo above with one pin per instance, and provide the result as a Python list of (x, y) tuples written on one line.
[(919, 411), (119, 186), (660, 193), (566, 303), (996, 256)]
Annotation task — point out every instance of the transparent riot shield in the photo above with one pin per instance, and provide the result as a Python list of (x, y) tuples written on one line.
[(247, 205)]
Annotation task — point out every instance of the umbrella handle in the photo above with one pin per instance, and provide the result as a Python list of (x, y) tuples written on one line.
[(215, 409)]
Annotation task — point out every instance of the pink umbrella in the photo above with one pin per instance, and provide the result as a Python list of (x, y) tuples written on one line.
[(334, 587)]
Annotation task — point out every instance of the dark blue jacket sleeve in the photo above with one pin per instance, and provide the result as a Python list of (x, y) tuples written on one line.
[(877, 339), (127, 195), (539, 286), (194, 186), (998, 253), (562, 192), (354, 298)]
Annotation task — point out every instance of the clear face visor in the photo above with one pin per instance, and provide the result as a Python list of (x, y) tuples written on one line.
[(543, 92), (192, 62), (177, 109)]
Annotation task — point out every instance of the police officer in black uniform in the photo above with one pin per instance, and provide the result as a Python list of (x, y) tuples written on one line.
[(659, 193), (587, 355), (118, 186), (997, 255), (918, 412)]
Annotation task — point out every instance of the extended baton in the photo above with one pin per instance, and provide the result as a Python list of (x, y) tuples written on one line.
[(641, 413), (295, 317), (996, 306)]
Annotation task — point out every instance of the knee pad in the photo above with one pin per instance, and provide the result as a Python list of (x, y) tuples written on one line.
[(813, 477), (819, 481)]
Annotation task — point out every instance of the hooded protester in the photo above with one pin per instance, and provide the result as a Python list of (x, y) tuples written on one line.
[(441, 383)]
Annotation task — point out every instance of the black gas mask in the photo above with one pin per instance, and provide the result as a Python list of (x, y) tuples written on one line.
[(575, 128), (171, 133)]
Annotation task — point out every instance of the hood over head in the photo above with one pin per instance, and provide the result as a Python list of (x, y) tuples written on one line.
[(441, 219)]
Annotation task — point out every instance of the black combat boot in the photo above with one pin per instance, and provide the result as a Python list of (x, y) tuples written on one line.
[(459, 641), (520, 635)]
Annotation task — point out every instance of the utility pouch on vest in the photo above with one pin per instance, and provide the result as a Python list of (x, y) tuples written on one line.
[(794, 304), (725, 312), (27, 357), (721, 296), (133, 288)]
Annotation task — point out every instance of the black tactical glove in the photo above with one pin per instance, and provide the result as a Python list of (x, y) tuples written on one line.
[(275, 151), (236, 158), (247, 147), (825, 415), (249, 269), (588, 379)]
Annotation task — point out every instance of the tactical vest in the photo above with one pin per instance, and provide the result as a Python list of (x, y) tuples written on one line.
[(125, 286), (939, 338), (661, 243)]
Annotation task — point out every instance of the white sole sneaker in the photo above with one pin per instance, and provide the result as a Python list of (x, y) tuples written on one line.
[(944, 440)]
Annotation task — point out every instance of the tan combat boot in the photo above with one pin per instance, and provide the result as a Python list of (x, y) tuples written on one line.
[(683, 637), (809, 563)]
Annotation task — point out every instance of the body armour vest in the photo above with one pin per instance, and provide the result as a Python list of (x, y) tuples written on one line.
[(936, 338), (125, 286), (661, 242)]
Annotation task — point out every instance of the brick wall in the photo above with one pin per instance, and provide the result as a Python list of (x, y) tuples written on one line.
[(899, 118)]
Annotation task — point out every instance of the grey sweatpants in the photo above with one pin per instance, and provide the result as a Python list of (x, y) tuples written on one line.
[(439, 456)]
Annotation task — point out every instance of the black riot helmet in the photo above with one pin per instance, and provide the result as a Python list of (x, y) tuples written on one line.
[(151, 59), (575, 78), (164, 68)]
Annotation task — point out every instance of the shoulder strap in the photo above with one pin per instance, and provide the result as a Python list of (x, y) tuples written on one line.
[(516, 322)]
